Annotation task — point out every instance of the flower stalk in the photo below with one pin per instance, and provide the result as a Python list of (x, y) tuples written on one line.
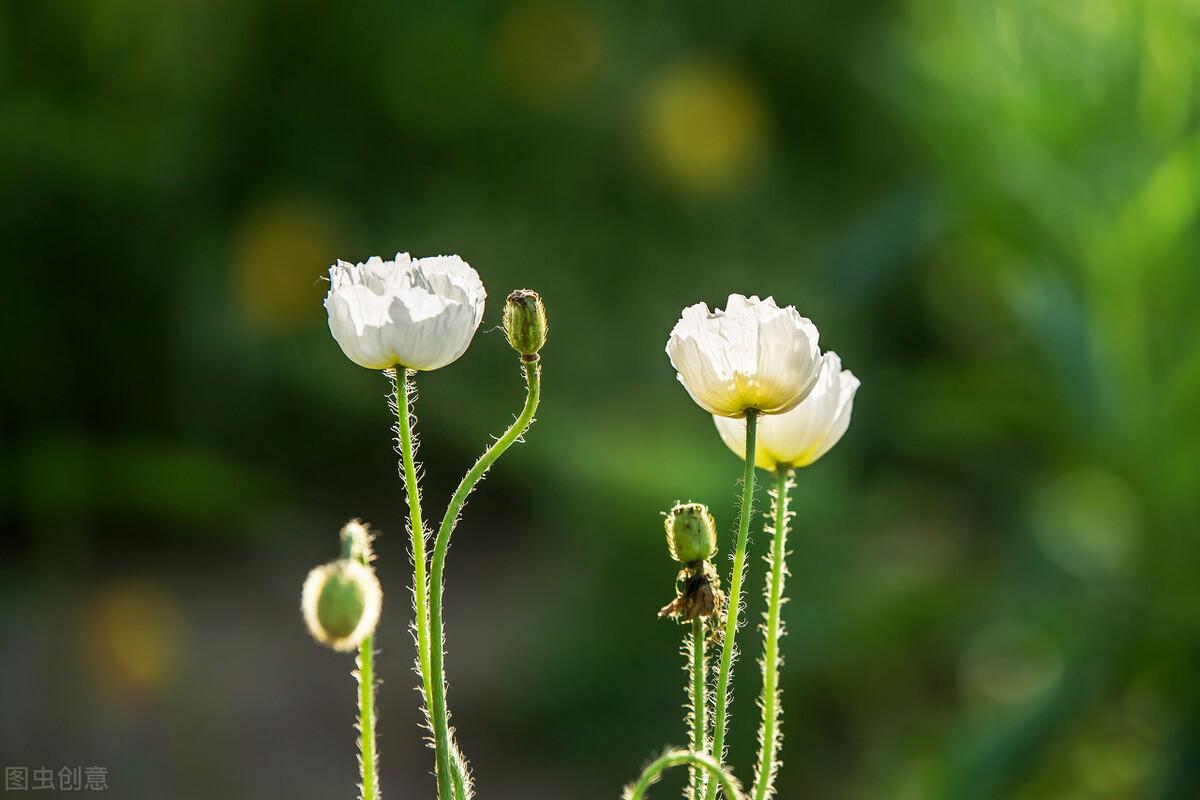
[(368, 761), (341, 602), (698, 702), (769, 734), (729, 645), (356, 545), (441, 718), (402, 394), (675, 758)]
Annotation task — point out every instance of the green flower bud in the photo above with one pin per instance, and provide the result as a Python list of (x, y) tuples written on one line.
[(525, 323), (356, 539), (691, 532), (341, 603)]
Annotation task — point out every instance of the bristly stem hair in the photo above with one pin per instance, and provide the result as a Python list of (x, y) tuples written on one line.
[(697, 669), (403, 393), (449, 761), (359, 547), (725, 675), (674, 758), (769, 733)]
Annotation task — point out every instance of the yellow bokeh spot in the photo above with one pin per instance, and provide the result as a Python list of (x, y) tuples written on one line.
[(130, 635), (280, 252), (704, 125), (548, 50)]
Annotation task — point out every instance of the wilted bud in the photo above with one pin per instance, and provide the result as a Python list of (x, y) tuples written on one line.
[(691, 532), (341, 603), (698, 594), (525, 323)]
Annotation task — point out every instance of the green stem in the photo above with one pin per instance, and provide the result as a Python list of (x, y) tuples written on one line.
[(735, 599), (366, 719), (441, 720), (675, 758), (356, 544), (768, 736), (698, 667), (402, 387)]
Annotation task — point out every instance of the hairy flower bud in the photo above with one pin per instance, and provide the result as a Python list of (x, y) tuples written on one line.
[(525, 323), (691, 532), (356, 539), (341, 603)]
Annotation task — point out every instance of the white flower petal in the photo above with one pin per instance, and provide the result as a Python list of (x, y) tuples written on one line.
[(753, 355), (454, 279), (799, 437), (426, 341), (418, 314)]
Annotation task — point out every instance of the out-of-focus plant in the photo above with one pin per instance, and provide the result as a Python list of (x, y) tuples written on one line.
[(341, 602), (1063, 143)]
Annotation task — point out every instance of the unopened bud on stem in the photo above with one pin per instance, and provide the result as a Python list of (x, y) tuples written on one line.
[(691, 532), (525, 323), (341, 602), (356, 539)]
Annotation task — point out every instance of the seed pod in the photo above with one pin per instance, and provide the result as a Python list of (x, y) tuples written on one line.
[(691, 532)]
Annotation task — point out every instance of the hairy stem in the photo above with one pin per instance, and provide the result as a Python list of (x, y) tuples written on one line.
[(403, 390), (769, 732), (441, 719), (698, 697), (675, 758), (725, 675), (356, 544), (367, 760)]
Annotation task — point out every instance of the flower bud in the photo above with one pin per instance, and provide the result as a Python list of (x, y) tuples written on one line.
[(341, 603), (691, 532), (525, 323), (356, 539)]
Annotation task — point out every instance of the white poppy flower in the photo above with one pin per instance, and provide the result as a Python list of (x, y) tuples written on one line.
[(807, 432), (753, 356), (419, 314)]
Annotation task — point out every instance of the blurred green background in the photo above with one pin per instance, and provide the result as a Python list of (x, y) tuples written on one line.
[(989, 208)]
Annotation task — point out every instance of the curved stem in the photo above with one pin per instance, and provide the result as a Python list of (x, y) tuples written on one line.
[(675, 758), (768, 736), (402, 388), (441, 720), (698, 667), (735, 599), (366, 720)]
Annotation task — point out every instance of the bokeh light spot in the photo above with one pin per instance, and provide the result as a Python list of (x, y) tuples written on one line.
[(280, 253), (548, 50), (1087, 522), (130, 635), (1009, 663), (705, 125), (1112, 759)]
